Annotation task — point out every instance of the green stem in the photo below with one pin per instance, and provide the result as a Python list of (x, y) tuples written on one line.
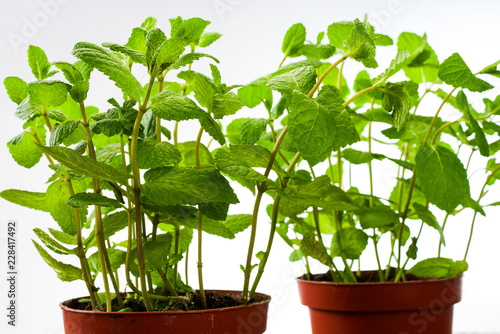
[(200, 227), (442, 228), (137, 195), (488, 179), (328, 70), (176, 250)]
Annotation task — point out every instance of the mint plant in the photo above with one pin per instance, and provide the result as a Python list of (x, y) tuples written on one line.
[(124, 168), (327, 126)]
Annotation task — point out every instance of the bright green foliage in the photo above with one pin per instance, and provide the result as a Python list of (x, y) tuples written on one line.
[(52, 244), (40, 66), (85, 165), (428, 218), (360, 44), (17, 89), (301, 79), (319, 126), (311, 247), (116, 258), (65, 272), (424, 67), (377, 217), (397, 98), (235, 167), (238, 223), (25, 198), (56, 197), (189, 58), (441, 176), (454, 71), (338, 33), (190, 29), (439, 268), (116, 120), (174, 186), (349, 243), (126, 51), (207, 38), (137, 40), (109, 64), (63, 237), (47, 93), (152, 154), (24, 150), (359, 157), (70, 72), (187, 150), (492, 69), (464, 107), (294, 40), (83, 199), (251, 130), (63, 131), (252, 95)]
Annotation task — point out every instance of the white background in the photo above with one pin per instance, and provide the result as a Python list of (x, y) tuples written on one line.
[(251, 46)]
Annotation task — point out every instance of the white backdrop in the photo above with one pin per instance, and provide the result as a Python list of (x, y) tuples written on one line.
[(251, 46)]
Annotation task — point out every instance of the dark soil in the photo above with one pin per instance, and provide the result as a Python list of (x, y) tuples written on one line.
[(193, 303), (365, 277)]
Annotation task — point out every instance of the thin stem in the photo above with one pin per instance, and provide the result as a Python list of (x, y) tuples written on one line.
[(339, 80), (200, 227), (328, 70), (158, 119), (488, 179), (442, 228), (176, 250)]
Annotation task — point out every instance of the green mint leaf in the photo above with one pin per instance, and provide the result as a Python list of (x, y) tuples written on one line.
[(47, 93), (32, 200), (112, 224), (301, 79), (214, 210), (319, 126), (37, 59), (287, 68), (296, 255), (349, 243), (326, 221), (413, 249), (52, 244), (251, 130), (175, 186), (332, 79), (253, 95), (189, 58), (156, 256), (79, 91), (65, 272), (62, 131), (107, 153), (464, 107), (255, 156), (377, 217), (116, 259), (359, 42), (24, 150), (397, 98), (428, 218), (439, 268), (424, 67), (358, 157), (137, 40), (17, 89), (208, 38), (57, 196), (84, 199), (134, 55), (318, 52), (238, 223), (151, 154), (492, 69), (190, 29), (116, 120), (441, 176), (84, 165), (57, 115), (149, 23), (155, 38), (109, 64), (175, 107), (187, 150), (63, 237), (235, 167), (70, 72), (338, 33), (213, 128), (309, 246), (167, 54), (294, 40), (211, 226), (455, 72)]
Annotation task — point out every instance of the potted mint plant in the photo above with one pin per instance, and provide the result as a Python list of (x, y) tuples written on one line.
[(124, 191), (331, 141)]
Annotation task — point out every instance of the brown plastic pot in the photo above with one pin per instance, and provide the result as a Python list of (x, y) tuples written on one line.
[(247, 319), (413, 307)]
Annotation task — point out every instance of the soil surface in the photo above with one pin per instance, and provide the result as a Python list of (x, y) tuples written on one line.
[(192, 302), (365, 277)]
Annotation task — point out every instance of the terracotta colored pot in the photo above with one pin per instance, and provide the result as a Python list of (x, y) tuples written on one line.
[(248, 319), (413, 307)]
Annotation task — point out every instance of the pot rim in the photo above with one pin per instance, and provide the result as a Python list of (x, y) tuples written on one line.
[(371, 284), (160, 313)]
